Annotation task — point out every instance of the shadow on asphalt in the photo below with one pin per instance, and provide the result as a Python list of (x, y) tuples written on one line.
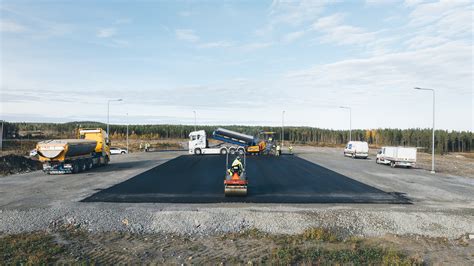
[(284, 179), (118, 166)]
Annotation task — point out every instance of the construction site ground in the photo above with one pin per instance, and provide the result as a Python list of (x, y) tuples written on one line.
[(435, 223)]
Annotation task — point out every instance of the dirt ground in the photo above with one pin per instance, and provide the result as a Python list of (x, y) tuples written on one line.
[(314, 246), (155, 144), (460, 164), (15, 164)]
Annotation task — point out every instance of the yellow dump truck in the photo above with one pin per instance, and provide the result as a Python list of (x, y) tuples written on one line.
[(65, 156)]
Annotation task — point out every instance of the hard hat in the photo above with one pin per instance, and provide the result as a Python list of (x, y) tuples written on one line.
[(238, 158)]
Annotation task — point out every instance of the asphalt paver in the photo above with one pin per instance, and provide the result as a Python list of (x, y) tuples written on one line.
[(283, 179)]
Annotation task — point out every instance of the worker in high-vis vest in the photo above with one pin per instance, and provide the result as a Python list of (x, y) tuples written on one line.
[(237, 166)]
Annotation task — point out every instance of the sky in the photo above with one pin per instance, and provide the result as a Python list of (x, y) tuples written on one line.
[(239, 62)]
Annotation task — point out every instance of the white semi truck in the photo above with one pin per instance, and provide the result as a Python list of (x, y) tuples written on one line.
[(397, 156), (199, 143)]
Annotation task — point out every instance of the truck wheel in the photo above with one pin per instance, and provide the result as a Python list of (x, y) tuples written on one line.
[(88, 164), (82, 166), (232, 151), (377, 160), (197, 151), (123, 152), (75, 167), (224, 151), (392, 164)]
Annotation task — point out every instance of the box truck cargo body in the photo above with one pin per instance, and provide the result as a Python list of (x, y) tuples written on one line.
[(397, 156)]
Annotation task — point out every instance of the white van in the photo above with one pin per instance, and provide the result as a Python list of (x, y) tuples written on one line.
[(357, 149)]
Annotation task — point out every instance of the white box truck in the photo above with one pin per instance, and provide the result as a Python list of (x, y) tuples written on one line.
[(397, 156), (357, 149)]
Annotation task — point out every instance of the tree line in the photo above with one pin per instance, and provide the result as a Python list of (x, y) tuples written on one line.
[(445, 141)]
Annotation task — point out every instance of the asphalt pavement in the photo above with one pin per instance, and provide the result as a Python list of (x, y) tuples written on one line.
[(284, 179)]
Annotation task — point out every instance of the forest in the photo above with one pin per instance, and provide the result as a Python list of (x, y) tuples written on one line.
[(445, 141)]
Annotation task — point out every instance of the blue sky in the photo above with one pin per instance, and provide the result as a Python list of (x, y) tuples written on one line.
[(239, 62)]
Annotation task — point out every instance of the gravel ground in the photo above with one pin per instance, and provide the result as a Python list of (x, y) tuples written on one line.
[(346, 221), (33, 201)]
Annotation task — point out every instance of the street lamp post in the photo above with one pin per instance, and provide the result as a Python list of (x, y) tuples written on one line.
[(108, 112), (350, 121), (195, 121), (433, 135), (127, 132), (282, 127)]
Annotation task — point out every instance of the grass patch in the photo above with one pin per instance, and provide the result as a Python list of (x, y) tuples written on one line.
[(31, 249), (361, 255), (320, 234)]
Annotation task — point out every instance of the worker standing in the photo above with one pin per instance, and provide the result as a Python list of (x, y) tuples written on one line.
[(290, 149), (278, 150), (141, 146)]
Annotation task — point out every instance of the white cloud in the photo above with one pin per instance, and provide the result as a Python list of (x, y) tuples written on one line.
[(10, 26), (295, 12), (328, 22), (389, 78), (255, 46), (410, 3), (378, 2), (293, 36), (419, 42), (426, 13), (186, 35), (218, 44), (106, 32), (334, 31), (440, 22)]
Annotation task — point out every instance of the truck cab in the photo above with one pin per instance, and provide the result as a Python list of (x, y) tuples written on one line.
[(100, 136), (197, 140)]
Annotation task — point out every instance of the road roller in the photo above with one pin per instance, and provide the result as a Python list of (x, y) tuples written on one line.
[(235, 182)]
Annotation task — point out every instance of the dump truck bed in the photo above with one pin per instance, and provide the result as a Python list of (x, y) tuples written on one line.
[(63, 148)]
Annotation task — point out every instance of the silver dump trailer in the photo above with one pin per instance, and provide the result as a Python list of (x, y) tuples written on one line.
[(233, 137), (67, 155)]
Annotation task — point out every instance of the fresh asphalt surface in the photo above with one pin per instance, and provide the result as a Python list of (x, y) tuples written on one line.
[(284, 179)]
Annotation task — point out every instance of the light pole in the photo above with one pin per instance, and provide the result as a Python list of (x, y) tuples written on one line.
[(108, 112), (1, 138), (127, 132), (350, 121), (282, 127), (194, 120), (433, 137)]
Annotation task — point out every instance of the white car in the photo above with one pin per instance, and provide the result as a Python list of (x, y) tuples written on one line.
[(357, 149), (118, 151)]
